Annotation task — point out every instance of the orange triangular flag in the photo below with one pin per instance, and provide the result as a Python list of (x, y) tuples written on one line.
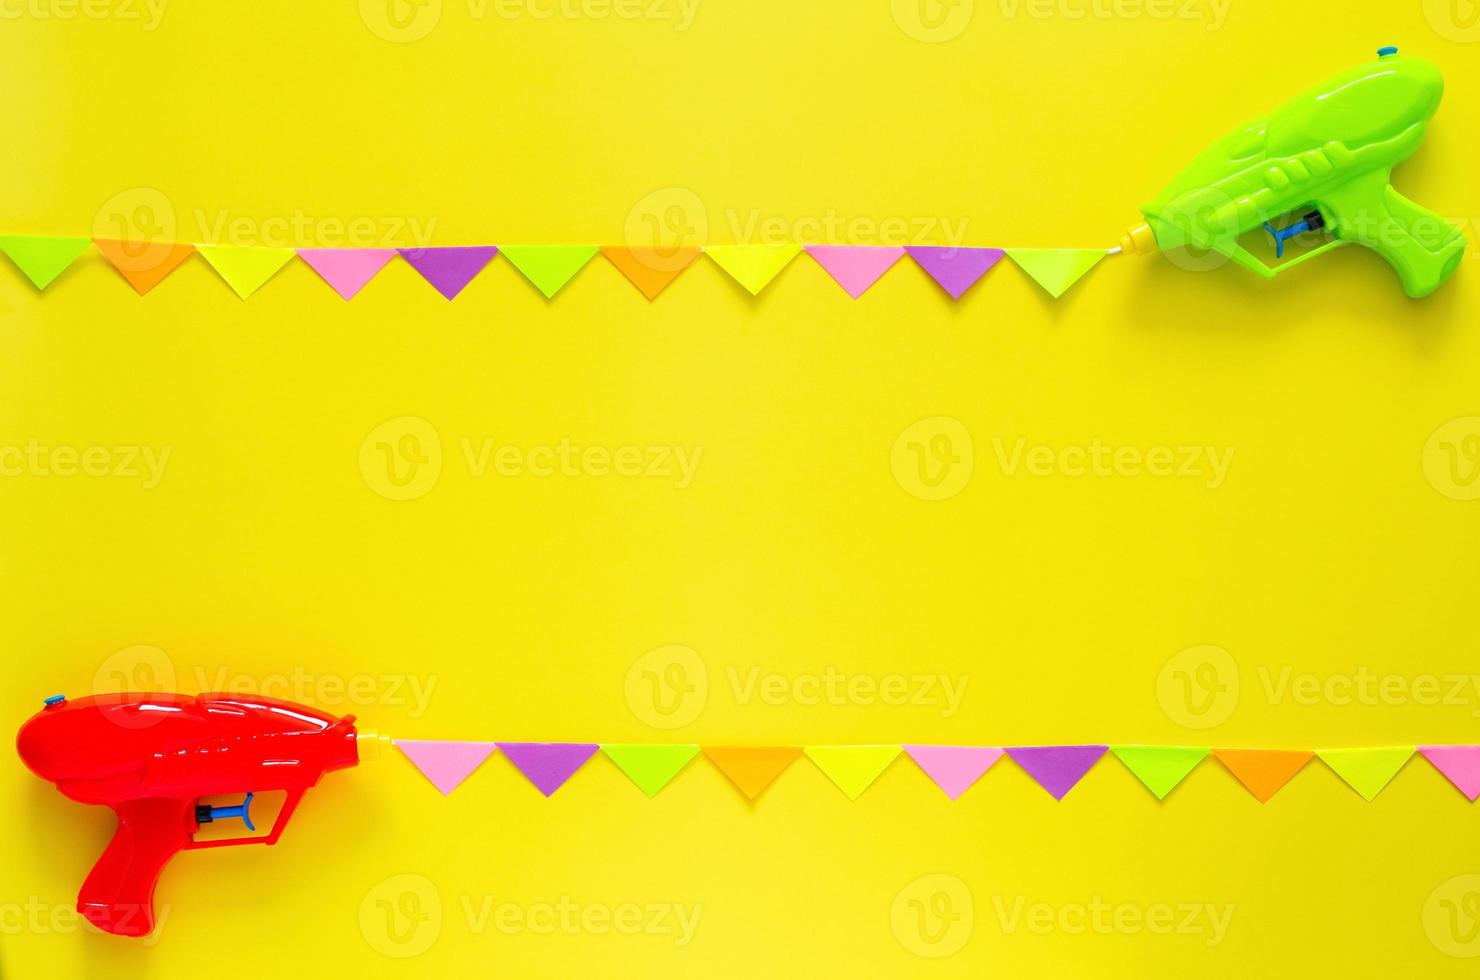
[(1263, 771), (650, 269), (751, 769), (143, 264)]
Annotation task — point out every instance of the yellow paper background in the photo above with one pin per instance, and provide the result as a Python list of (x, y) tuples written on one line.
[(265, 557)]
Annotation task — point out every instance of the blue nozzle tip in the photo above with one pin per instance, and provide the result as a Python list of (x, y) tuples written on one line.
[(1386, 50), (54, 699)]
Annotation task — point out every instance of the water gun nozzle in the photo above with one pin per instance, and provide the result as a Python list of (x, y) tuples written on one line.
[(1138, 240)]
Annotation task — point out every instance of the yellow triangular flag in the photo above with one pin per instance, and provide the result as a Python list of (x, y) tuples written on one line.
[(852, 767), (1366, 770), (245, 269), (752, 266), (1056, 269)]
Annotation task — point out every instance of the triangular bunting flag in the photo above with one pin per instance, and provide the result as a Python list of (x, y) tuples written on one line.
[(1366, 770), (1460, 764), (1160, 767), (347, 269), (651, 767), (446, 764), (245, 269), (549, 267), (954, 768), (143, 264), (449, 269), (547, 764), (1263, 771), (855, 267), (752, 266), (41, 257), (650, 269), (956, 269), (1057, 768), (852, 767), (1056, 269), (751, 769)]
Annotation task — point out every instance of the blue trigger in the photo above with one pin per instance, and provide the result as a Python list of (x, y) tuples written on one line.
[(1282, 235), (240, 810)]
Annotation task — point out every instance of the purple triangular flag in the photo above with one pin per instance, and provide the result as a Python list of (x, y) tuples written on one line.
[(446, 764), (449, 269), (956, 269), (1057, 767), (548, 764)]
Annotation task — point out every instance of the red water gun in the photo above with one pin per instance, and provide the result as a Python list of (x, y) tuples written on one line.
[(154, 757)]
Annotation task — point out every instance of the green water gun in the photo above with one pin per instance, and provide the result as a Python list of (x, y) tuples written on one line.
[(1322, 161)]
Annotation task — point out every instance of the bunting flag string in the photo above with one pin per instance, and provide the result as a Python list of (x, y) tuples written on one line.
[(450, 269), (953, 768)]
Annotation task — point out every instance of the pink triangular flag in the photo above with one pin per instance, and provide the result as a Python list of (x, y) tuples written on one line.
[(1460, 764), (347, 269), (446, 764), (954, 768), (855, 267)]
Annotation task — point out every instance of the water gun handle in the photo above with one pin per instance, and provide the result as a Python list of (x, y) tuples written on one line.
[(1422, 247), (118, 895)]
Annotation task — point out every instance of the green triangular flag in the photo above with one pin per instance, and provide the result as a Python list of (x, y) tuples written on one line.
[(549, 267), (42, 258), (1056, 269), (650, 766), (752, 266), (852, 767), (245, 269), (1366, 770), (1160, 767)]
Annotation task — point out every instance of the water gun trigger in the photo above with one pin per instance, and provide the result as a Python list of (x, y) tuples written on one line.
[(1311, 222), (205, 813)]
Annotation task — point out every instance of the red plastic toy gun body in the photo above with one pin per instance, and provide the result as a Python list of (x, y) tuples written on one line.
[(153, 757)]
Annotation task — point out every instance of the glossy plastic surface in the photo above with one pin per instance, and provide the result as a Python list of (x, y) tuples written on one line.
[(151, 757)]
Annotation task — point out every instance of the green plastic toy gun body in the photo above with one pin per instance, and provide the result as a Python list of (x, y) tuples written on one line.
[(1329, 152)]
